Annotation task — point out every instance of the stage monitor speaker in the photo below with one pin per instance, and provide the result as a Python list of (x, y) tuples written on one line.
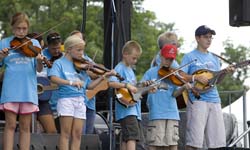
[(239, 13)]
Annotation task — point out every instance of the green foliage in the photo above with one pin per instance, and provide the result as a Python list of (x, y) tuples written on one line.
[(234, 82), (145, 29)]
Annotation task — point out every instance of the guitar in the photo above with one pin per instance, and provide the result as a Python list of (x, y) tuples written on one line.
[(182, 100), (128, 99), (103, 85), (45, 88), (213, 77)]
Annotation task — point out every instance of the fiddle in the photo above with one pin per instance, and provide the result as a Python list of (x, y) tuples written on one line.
[(83, 64), (26, 47), (177, 77), (53, 58)]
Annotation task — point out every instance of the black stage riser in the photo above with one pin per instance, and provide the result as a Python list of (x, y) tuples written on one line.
[(50, 142)]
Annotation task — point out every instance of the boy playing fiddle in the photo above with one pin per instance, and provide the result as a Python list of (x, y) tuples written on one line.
[(130, 117), (162, 131)]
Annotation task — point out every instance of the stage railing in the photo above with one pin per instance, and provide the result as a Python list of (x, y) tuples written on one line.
[(244, 109)]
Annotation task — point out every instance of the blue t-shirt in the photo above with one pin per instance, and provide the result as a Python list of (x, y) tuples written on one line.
[(90, 103), (64, 69), (204, 61), (129, 77), (174, 65), (161, 104), (44, 73), (20, 82)]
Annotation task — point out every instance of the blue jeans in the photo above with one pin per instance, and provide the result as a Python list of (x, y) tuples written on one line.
[(89, 123)]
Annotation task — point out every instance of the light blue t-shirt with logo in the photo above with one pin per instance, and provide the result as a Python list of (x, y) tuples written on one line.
[(20, 82), (161, 104), (204, 61), (64, 69)]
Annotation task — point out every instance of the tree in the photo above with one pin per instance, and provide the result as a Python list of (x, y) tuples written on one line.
[(236, 81)]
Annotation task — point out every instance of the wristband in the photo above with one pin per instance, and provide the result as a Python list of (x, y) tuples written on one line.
[(70, 82), (193, 78)]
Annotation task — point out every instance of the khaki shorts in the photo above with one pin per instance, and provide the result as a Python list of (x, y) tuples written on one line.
[(205, 123), (162, 133)]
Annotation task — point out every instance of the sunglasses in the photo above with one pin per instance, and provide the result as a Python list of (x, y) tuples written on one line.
[(54, 38)]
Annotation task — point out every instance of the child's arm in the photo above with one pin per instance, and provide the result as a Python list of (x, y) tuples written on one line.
[(181, 89), (61, 81), (118, 85)]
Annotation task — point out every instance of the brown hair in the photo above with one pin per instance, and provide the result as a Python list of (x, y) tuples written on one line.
[(130, 46), (53, 38), (77, 31), (18, 18)]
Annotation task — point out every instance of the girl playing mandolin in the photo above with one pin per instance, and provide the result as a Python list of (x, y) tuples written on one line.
[(19, 91)]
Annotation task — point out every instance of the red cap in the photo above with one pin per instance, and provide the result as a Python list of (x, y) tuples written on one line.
[(169, 51)]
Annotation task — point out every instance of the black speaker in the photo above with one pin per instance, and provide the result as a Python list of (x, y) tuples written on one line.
[(239, 13)]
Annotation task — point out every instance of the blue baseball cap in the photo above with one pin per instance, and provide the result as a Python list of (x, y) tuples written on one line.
[(203, 30)]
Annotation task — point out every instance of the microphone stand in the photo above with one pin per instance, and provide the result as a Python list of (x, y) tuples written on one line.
[(113, 10)]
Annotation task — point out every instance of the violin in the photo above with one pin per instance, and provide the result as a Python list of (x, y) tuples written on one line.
[(80, 64), (177, 77), (26, 47), (53, 58)]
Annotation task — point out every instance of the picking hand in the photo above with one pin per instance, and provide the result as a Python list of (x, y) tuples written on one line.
[(4, 52), (77, 84), (201, 78), (230, 68)]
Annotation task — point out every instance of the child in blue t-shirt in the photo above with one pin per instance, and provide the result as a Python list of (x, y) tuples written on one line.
[(19, 90), (162, 131), (128, 117), (72, 88)]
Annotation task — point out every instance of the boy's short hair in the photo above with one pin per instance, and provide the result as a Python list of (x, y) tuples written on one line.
[(130, 46), (53, 38), (166, 38)]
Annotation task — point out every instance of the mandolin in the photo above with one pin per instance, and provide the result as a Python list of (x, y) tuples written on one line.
[(214, 77), (128, 99)]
